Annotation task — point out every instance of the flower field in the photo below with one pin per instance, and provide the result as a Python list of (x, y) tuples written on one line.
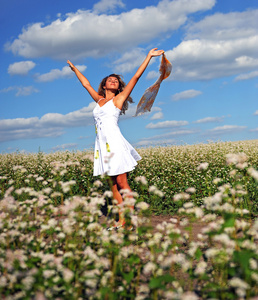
[(54, 215)]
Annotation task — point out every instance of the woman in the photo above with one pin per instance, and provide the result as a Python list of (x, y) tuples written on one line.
[(113, 156)]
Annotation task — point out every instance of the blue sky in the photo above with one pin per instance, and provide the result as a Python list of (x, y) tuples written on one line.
[(211, 94)]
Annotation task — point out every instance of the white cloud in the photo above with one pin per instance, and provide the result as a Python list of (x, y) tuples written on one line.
[(64, 146), (130, 113), (107, 5), (153, 75), (21, 68), (83, 137), (180, 132), (228, 26), (254, 130), (49, 125), (247, 76), (256, 113), (87, 34), (146, 143), (209, 120), (56, 73), (165, 138), (156, 108), (219, 45), (20, 90), (157, 116), (227, 129), (17, 124), (167, 124), (129, 61), (186, 95)]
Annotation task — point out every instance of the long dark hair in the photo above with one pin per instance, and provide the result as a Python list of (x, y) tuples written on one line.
[(102, 91)]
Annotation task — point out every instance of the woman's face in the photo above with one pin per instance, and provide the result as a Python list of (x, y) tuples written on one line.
[(112, 83)]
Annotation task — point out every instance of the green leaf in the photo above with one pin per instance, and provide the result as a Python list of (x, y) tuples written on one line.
[(128, 276), (198, 254), (134, 259), (155, 283), (160, 281), (243, 258), (229, 222)]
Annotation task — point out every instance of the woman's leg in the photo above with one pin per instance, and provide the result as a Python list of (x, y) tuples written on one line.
[(120, 183), (117, 196), (115, 190)]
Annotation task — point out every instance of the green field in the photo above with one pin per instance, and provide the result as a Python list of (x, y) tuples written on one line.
[(54, 215)]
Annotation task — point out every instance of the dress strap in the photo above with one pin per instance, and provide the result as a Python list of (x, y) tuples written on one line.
[(100, 99)]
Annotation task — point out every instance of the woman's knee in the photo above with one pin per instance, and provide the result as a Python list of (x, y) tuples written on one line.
[(122, 181)]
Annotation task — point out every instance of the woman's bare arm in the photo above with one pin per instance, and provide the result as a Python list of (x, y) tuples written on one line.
[(120, 98), (85, 82)]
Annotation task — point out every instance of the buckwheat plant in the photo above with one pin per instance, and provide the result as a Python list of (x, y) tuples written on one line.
[(54, 220)]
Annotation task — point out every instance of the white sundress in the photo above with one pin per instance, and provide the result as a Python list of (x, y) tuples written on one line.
[(113, 154)]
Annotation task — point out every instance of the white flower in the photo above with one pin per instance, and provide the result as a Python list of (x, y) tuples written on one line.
[(188, 205), (254, 276), (28, 282), (142, 205), (198, 212), (108, 194), (253, 264), (241, 293), (152, 189), (212, 252), (236, 158), (52, 223), (11, 181), (48, 273), (193, 248), (173, 220), (191, 190), (159, 193), (181, 196), (94, 226), (141, 179), (216, 180), (253, 173), (203, 166), (98, 183), (224, 239), (189, 296), (177, 197), (68, 274), (47, 190), (200, 268), (150, 267), (238, 283), (3, 281), (144, 289), (40, 178), (61, 235)]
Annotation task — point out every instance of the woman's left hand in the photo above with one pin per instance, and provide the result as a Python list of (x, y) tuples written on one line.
[(155, 52), (71, 65)]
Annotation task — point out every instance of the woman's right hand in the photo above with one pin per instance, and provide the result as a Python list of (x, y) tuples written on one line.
[(71, 65), (155, 52)]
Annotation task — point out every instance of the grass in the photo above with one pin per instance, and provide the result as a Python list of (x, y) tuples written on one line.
[(54, 242)]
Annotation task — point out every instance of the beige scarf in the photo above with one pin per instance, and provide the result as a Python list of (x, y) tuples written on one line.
[(147, 100)]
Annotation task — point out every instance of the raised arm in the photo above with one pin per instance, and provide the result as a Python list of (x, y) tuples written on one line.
[(120, 98), (85, 82)]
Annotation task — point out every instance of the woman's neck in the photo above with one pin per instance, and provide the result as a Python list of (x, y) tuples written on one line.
[(109, 95)]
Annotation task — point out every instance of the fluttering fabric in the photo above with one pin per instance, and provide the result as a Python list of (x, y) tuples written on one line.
[(147, 100)]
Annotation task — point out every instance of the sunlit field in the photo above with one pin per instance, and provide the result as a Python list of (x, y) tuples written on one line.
[(54, 215)]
